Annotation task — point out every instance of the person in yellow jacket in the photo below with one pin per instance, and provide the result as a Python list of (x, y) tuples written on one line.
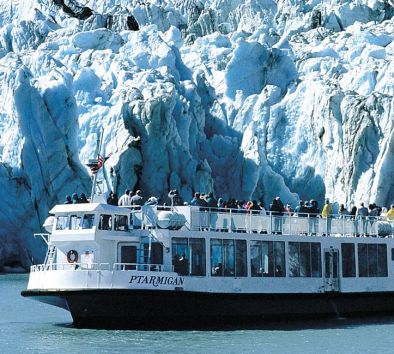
[(327, 210), (390, 214), (326, 214)]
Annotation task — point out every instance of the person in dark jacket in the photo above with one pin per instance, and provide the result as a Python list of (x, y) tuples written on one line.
[(276, 210), (211, 201), (75, 198), (197, 200), (83, 199), (68, 200), (313, 213), (113, 199)]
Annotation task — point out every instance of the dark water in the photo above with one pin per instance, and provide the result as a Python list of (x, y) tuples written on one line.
[(28, 326)]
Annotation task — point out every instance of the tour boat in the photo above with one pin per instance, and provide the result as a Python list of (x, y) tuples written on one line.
[(157, 266)]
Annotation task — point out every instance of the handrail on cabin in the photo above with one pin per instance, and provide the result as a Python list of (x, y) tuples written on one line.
[(236, 220)]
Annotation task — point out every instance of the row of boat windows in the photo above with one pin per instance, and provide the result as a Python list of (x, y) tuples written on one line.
[(267, 258), (106, 222), (372, 260)]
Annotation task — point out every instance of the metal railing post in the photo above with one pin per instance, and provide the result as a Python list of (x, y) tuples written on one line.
[(231, 221)]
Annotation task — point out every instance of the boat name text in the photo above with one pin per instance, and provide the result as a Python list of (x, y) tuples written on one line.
[(156, 280)]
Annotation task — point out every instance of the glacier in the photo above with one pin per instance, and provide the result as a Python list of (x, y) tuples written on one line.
[(251, 99)]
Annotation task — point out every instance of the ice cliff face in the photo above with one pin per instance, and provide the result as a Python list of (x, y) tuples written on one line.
[(251, 99)]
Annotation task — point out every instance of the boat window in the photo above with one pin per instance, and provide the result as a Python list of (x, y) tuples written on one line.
[(392, 254), (197, 256), (128, 255), (61, 222), (267, 259), (348, 260), (188, 255), (88, 221), (382, 260), (105, 222), (240, 259), (156, 253), (372, 260), (216, 257), (228, 258), (75, 222), (305, 259), (121, 223)]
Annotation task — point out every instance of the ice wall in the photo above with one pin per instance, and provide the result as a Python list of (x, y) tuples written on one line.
[(250, 99)]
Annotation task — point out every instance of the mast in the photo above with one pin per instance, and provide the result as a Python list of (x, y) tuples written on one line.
[(99, 144)]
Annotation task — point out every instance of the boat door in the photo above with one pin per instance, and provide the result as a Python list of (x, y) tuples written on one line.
[(331, 266), (127, 256)]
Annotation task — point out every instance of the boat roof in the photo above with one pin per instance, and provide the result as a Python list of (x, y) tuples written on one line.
[(88, 207)]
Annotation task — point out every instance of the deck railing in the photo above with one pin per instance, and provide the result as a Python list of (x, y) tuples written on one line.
[(102, 266), (235, 220)]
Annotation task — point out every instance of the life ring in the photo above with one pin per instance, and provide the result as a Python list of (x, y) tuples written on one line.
[(72, 256)]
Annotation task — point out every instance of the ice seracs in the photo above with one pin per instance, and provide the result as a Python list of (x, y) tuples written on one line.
[(249, 98)]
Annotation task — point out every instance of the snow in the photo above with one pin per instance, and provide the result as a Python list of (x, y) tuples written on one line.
[(250, 99)]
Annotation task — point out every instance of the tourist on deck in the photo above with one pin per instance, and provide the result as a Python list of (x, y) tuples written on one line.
[(240, 206), (342, 212), (390, 214), (68, 200), (211, 201), (175, 198), (263, 222), (353, 212), (304, 210), (362, 216), (220, 204), (262, 208), (136, 199), (125, 199), (231, 204), (109, 197), (313, 212), (113, 199), (255, 207), (75, 198), (326, 215), (249, 205), (197, 200), (289, 210), (298, 208), (373, 214), (277, 210), (378, 208), (83, 199)]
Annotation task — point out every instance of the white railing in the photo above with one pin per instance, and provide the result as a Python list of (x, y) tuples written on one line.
[(69, 266), (144, 267), (241, 220), (246, 221), (102, 266)]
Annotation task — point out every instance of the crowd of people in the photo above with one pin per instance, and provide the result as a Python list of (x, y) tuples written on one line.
[(207, 201), (75, 199)]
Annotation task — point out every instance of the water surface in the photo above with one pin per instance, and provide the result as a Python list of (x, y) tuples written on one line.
[(27, 326)]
